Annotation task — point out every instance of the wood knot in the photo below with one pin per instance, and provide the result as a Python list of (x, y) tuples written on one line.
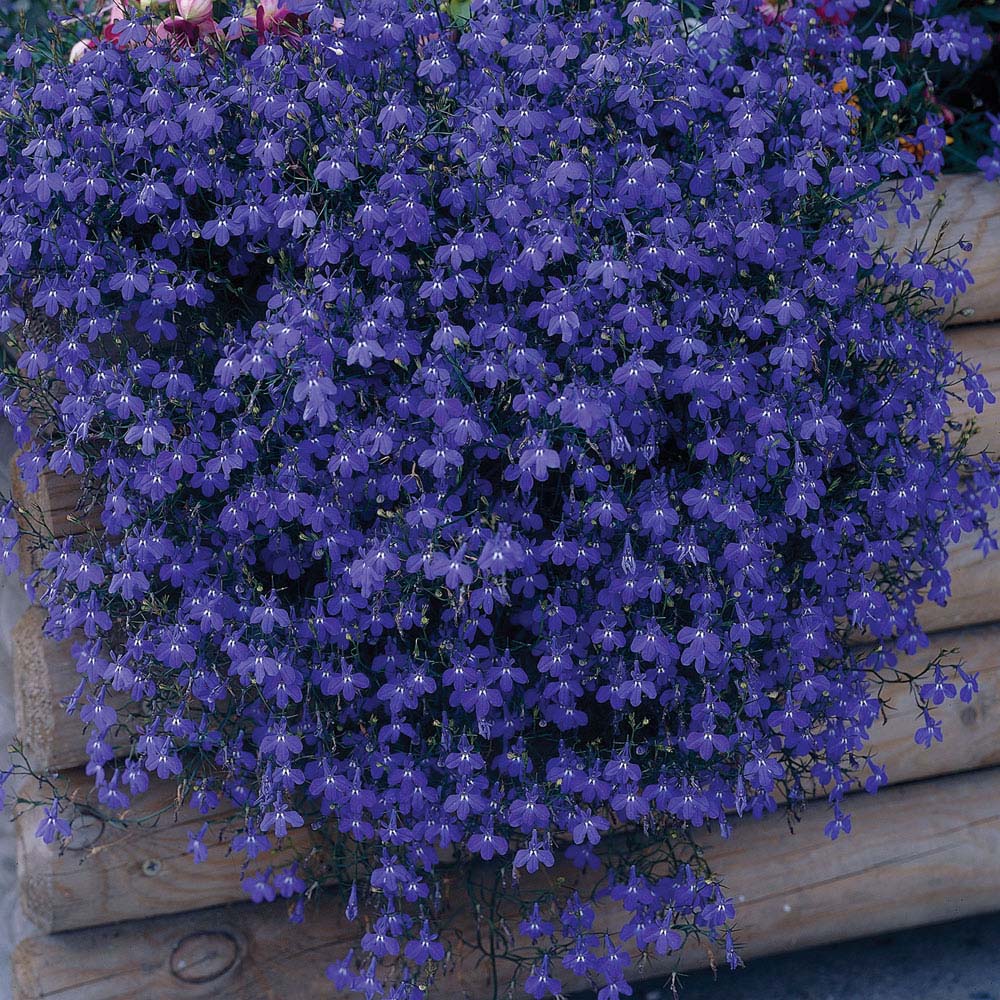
[(86, 830), (203, 956), (969, 715)]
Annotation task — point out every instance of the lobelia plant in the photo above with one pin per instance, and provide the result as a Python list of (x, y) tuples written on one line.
[(501, 418), (968, 100)]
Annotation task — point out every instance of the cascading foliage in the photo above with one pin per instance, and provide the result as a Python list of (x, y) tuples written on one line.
[(500, 418)]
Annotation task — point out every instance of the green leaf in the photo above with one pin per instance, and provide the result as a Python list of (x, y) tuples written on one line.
[(460, 11)]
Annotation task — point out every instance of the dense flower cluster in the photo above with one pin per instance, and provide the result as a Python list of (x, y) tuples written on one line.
[(499, 423)]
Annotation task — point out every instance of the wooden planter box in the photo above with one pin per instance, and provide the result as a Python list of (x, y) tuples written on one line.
[(126, 913)]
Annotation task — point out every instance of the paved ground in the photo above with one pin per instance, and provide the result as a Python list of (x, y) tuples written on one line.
[(956, 961)]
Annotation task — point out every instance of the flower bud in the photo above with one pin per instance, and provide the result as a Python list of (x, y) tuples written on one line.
[(195, 11)]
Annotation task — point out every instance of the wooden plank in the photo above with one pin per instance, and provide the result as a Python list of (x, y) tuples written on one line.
[(970, 209), (62, 500), (919, 853), (27, 506), (110, 871), (44, 675), (57, 508), (971, 730), (981, 344), (106, 876), (975, 584), (242, 951)]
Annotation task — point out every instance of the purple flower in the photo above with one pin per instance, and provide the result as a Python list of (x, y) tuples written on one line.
[(196, 844), (281, 818), (258, 887), (426, 948), (539, 983), (497, 420), (52, 825)]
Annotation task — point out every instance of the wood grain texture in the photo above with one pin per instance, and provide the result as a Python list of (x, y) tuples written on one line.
[(61, 498), (142, 872), (971, 730), (114, 871), (919, 853), (975, 586), (27, 506), (981, 344), (969, 210), (56, 508), (44, 675), (243, 951)]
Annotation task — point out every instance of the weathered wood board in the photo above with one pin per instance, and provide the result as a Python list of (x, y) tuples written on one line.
[(969, 210), (44, 675), (975, 586), (55, 508), (971, 730), (919, 853), (981, 344), (110, 871)]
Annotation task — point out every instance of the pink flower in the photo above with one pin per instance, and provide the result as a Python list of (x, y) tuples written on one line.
[(832, 15), (771, 10), (115, 12), (196, 11), (80, 49), (274, 16), (193, 21)]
